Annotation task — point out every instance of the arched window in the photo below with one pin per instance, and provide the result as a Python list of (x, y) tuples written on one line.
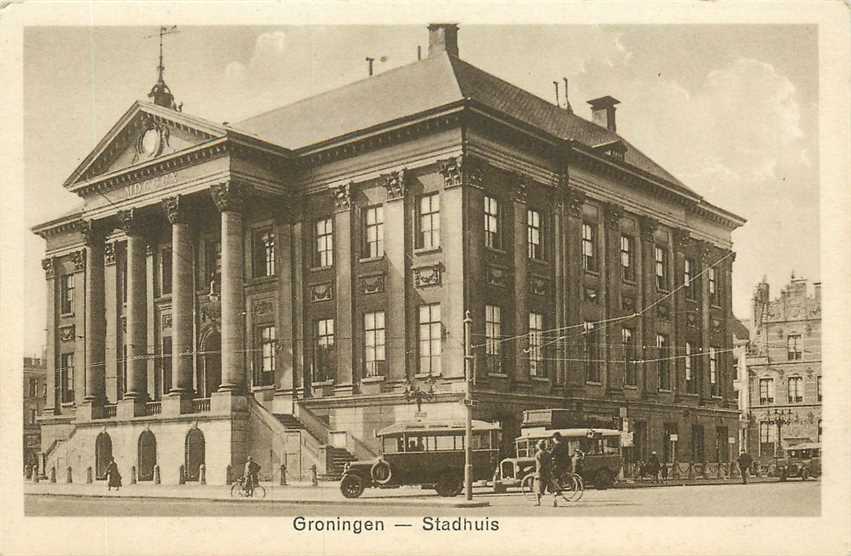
[(195, 453), (147, 456), (103, 454)]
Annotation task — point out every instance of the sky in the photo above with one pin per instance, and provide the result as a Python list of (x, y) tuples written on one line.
[(731, 110)]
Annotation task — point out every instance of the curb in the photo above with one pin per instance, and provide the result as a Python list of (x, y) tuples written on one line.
[(359, 502)]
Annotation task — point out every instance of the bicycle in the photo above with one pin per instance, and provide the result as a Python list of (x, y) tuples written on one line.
[(570, 487), (242, 488)]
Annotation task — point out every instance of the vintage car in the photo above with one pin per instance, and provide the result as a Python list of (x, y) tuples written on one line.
[(800, 460), (599, 464), (427, 453)]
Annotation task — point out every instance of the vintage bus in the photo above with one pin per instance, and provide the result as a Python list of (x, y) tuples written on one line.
[(427, 453)]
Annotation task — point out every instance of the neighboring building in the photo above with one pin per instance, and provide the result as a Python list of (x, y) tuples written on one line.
[(321, 256), (784, 368), (741, 384), (35, 394)]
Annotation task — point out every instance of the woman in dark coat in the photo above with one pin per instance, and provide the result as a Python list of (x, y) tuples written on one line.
[(113, 477), (543, 476)]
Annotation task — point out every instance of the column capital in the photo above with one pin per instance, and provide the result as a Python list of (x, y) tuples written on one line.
[(131, 222), (91, 232), (614, 213), (49, 267), (462, 170), (682, 240), (574, 200), (396, 184), (648, 228), (343, 196), (230, 195), (707, 252), (175, 211), (79, 260)]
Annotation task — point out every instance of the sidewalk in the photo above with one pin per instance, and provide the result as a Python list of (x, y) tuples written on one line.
[(294, 493), (649, 483)]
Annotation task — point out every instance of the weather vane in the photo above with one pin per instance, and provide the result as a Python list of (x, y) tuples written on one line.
[(160, 91)]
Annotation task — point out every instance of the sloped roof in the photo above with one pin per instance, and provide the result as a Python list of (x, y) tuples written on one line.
[(426, 85)]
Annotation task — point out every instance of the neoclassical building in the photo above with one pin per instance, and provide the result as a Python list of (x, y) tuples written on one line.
[(286, 285)]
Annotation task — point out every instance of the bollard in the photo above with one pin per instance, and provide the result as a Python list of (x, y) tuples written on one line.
[(313, 478), (132, 474), (53, 474), (202, 474), (283, 475), (705, 473), (69, 478), (227, 475), (156, 474), (88, 475), (181, 475)]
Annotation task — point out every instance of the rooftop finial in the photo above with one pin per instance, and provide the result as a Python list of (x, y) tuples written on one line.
[(160, 92)]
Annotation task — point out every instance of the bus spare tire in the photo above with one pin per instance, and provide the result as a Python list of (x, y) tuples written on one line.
[(603, 479), (381, 472), (449, 484), (351, 486)]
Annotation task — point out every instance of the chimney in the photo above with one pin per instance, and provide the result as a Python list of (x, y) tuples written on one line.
[(603, 112), (442, 37), (817, 288)]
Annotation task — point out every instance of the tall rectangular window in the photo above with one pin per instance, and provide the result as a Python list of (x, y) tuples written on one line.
[(688, 278), (32, 391), (492, 231), (661, 256), (767, 436), (691, 383), (663, 363), (589, 247), (713, 286), (795, 390), (165, 271), (66, 375), (324, 351), (766, 391), (267, 362), (428, 236), (714, 383), (264, 253), (793, 347), (323, 247), (165, 367), (627, 257), (630, 371), (534, 235), (66, 293), (493, 339), (373, 343), (430, 335), (373, 237), (537, 364), (591, 352)]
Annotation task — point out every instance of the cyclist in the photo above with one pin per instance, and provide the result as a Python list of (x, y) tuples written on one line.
[(561, 458), (249, 475)]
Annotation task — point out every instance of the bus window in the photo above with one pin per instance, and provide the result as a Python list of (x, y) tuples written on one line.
[(480, 441), (393, 444), (459, 442), (444, 442), (416, 443)]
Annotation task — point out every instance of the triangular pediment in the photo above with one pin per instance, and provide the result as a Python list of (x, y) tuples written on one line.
[(144, 132)]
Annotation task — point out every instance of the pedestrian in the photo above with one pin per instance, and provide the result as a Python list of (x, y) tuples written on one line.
[(113, 477), (745, 461), (664, 472), (653, 466), (561, 458), (543, 476)]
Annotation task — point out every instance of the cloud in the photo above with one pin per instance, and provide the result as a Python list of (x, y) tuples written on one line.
[(266, 57)]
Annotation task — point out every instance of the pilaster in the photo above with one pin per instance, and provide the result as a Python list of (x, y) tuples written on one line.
[(397, 270), (649, 380), (345, 327), (571, 351), (521, 284), (51, 404)]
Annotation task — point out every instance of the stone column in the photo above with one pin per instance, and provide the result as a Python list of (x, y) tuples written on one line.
[(136, 313), (181, 301), (521, 281), (230, 200), (394, 250), (284, 267), (95, 319), (344, 326), (649, 379), (78, 258), (51, 404)]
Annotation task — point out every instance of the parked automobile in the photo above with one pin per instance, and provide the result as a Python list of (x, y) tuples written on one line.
[(801, 460), (428, 453)]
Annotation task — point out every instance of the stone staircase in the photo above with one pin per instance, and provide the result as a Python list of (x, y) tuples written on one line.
[(338, 457), (289, 421)]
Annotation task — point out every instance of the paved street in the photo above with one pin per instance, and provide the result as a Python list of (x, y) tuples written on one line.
[(793, 498)]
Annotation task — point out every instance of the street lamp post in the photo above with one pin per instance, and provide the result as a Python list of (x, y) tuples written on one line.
[(779, 418), (468, 406)]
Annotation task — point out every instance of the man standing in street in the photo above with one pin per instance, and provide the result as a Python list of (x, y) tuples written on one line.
[(745, 460), (653, 466)]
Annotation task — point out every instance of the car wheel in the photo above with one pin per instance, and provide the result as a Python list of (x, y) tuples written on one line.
[(351, 486), (603, 479), (381, 472), (449, 484)]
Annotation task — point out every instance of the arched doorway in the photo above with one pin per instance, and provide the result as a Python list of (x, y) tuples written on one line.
[(210, 376), (195, 451), (147, 456), (103, 454)]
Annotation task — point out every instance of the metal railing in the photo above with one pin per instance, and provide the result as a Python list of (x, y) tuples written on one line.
[(110, 410), (200, 405)]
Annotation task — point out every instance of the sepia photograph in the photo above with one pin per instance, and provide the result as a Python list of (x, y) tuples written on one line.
[(426, 277)]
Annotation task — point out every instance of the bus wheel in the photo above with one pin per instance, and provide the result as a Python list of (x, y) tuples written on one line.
[(603, 479), (449, 485), (351, 486), (381, 472)]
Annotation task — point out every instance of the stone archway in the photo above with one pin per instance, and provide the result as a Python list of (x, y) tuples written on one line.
[(195, 453), (147, 456), (210, 371), (103, 454)]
